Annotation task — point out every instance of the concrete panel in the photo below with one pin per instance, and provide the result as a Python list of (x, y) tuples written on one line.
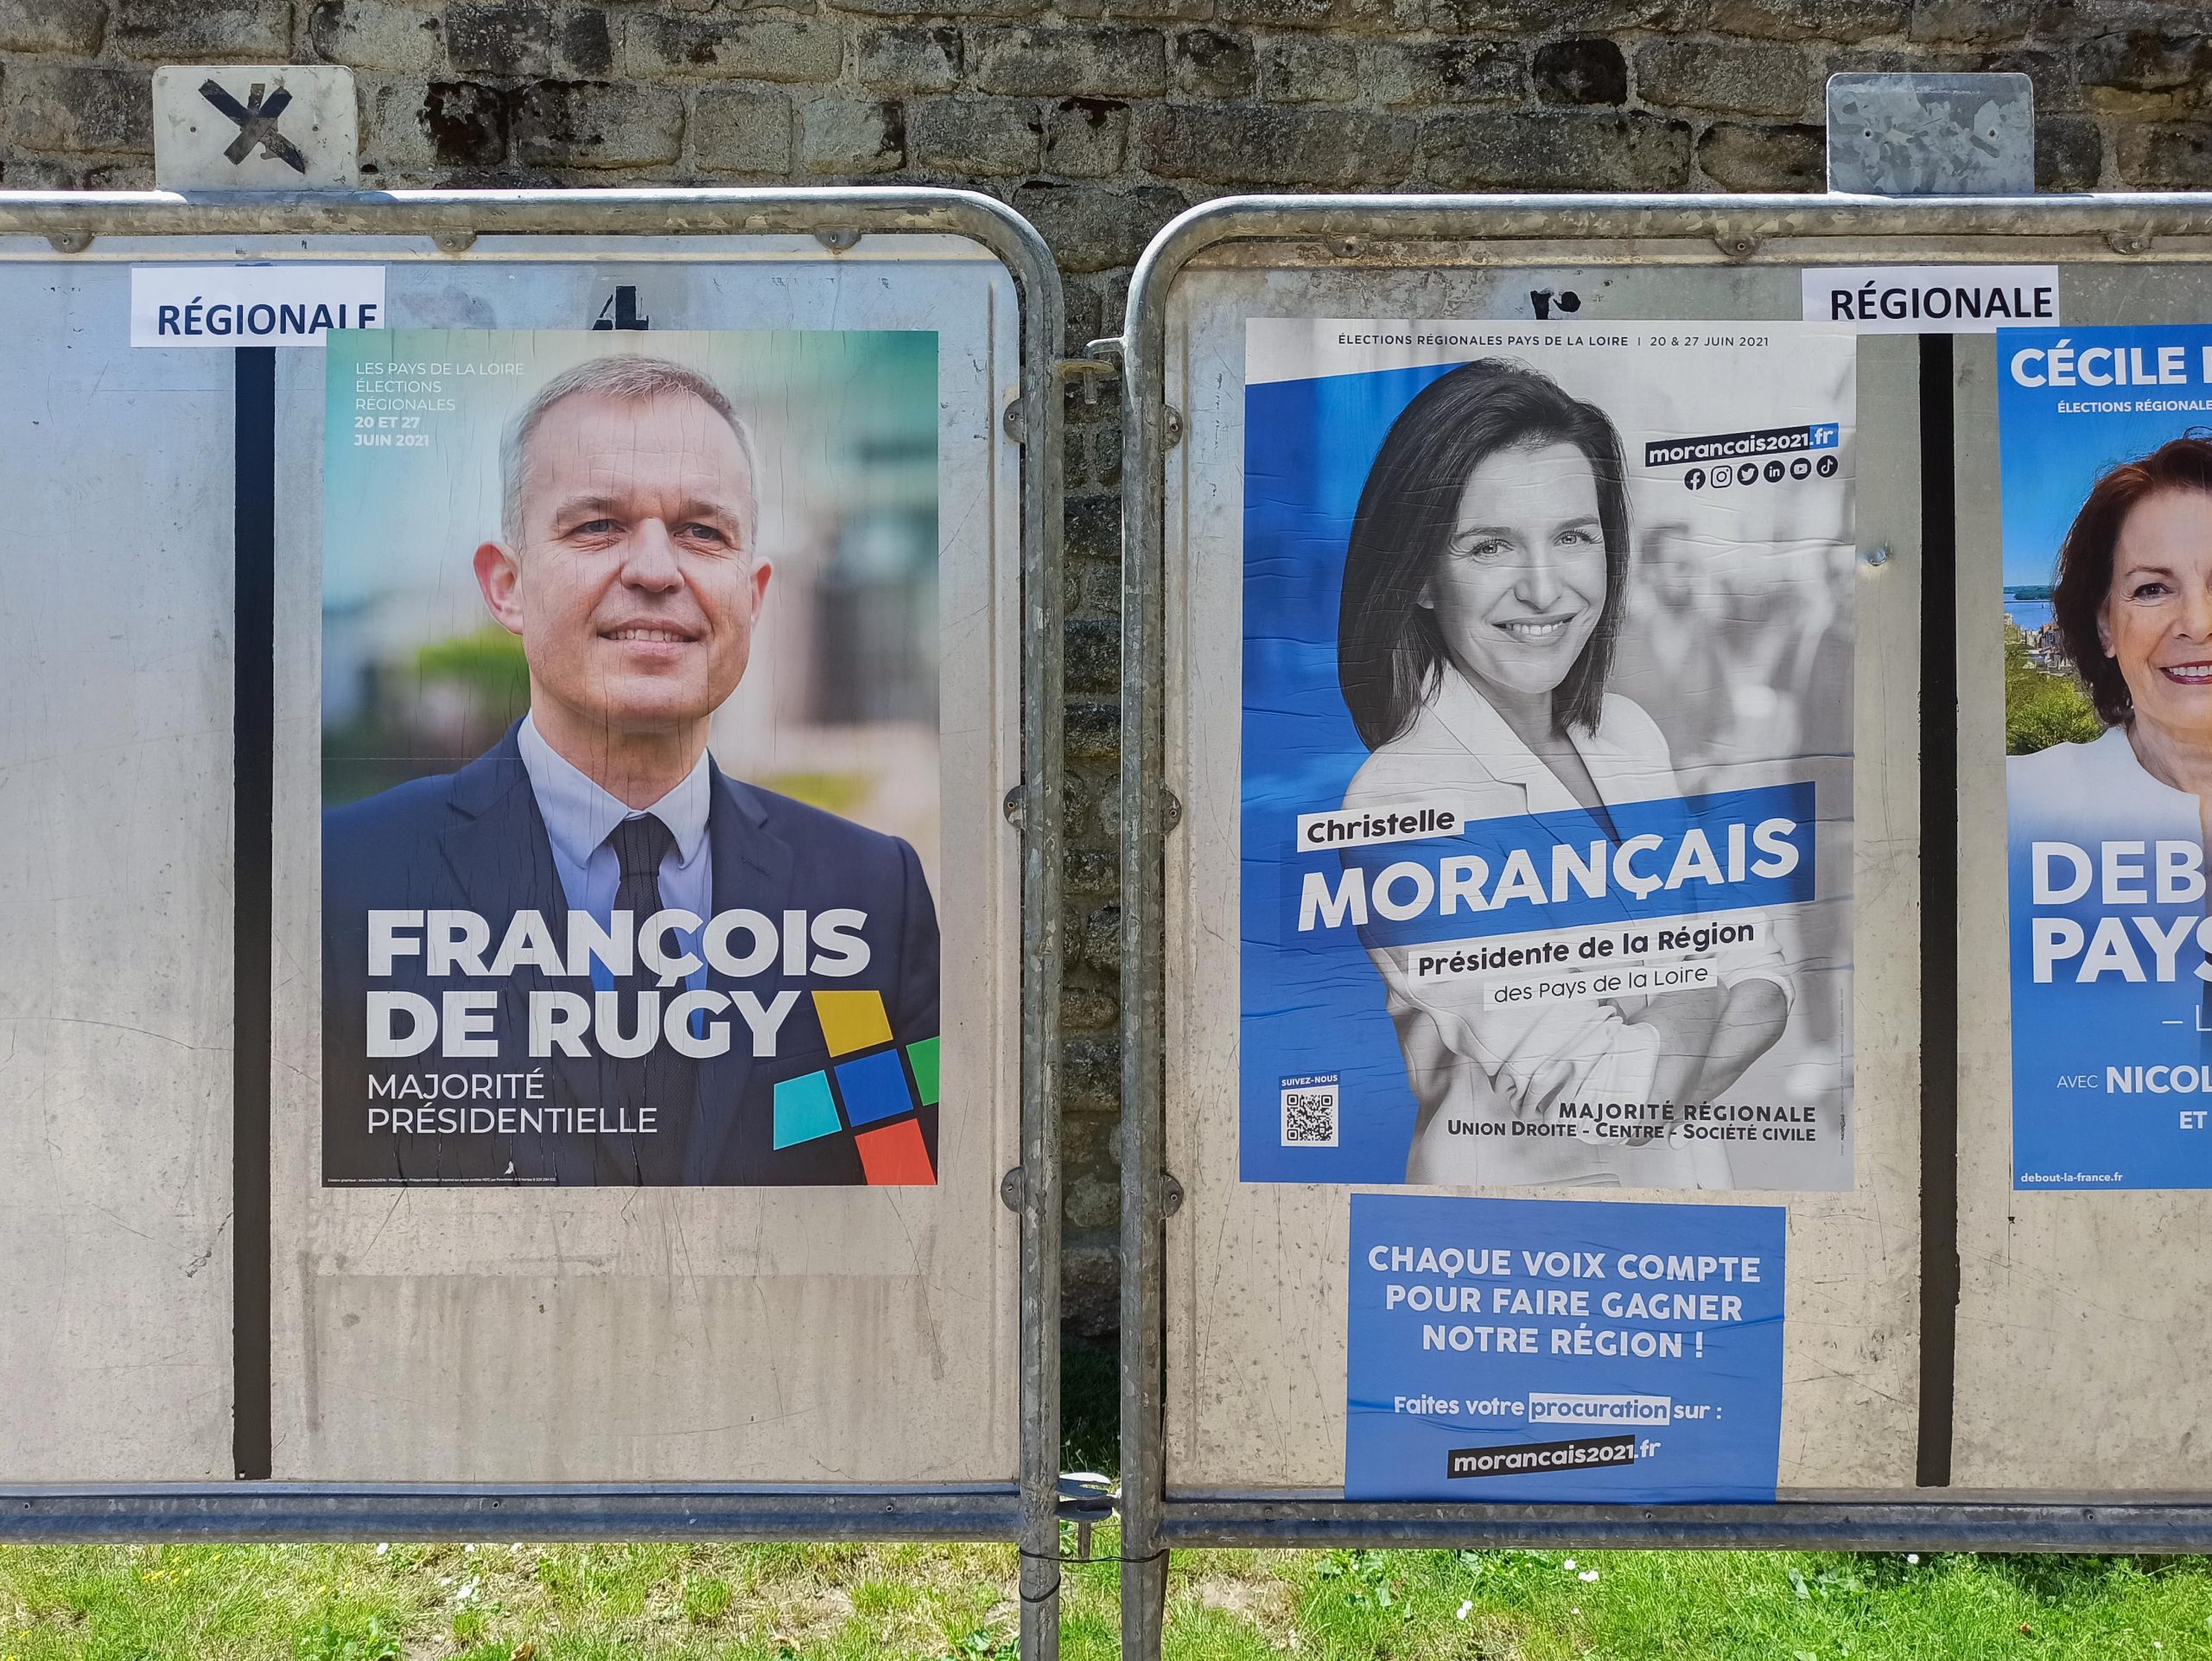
[(115, 888), (727, 1334), (1256, 1274)]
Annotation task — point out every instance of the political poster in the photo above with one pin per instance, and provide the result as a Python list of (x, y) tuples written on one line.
[(1547, 754), (2104, 451), (1564, 1350), (630, 759)]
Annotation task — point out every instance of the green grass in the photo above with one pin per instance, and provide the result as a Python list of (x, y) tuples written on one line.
[(830, 1603), (400, 1603)]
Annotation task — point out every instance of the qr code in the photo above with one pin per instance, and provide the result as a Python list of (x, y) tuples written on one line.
[(1309, 1111)]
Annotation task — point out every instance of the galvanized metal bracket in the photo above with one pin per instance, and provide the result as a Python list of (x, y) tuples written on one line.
[(453, 242), (1102, 362), (1013, 1188), (1171, 812), (1171, 1194), (1931, 135), (837, 238), (71, 242), (1086, 1500)]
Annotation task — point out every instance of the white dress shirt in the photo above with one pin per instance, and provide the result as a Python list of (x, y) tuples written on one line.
[(580, 814)]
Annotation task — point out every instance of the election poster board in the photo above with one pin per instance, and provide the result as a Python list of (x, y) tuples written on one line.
[(630, 774), (2105, 449), (686, 1306), (1564, 1350), (252, 736), (1547, 754)]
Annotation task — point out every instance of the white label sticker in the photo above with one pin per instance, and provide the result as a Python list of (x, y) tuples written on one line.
[(1932, 299), (1360, 827), (251, 305)]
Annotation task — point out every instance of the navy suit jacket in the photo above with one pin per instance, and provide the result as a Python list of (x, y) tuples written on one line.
[(475, 841)]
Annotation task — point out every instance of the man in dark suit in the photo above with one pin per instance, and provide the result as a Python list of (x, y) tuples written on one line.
[(589, 956)]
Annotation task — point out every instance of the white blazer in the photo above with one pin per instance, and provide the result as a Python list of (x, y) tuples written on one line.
[(1464, 1056), (2086, 792)]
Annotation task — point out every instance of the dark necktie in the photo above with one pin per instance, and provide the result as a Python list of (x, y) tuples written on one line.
[(640, 845), (664, 1080)]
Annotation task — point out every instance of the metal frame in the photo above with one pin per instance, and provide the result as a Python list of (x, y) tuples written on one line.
[(1028, 1510), (1346, 232), (116, 1514)]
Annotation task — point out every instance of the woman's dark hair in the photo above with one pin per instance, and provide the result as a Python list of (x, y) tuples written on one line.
[(1389, 651), (2085, 559)]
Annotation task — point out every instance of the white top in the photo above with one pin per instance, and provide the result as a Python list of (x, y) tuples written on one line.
[(2086, 792), (580, 814), (1466, 1058)]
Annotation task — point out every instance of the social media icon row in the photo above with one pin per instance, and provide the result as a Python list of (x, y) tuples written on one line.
[(1750, 473)]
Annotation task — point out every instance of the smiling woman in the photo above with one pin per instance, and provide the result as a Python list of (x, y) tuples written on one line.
[(2133, 611), (1482, 592), (2133, 607)]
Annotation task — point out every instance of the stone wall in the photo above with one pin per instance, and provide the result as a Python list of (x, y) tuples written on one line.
[(1099, 119)]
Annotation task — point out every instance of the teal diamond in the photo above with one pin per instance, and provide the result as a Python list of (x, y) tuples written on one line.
[(805, 1110)]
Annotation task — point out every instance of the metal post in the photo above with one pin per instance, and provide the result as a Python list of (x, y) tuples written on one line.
[(1042, 325), (1144, 820)]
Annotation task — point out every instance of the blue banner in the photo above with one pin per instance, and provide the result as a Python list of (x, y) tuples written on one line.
[(1673, 858), (1561, 1350)]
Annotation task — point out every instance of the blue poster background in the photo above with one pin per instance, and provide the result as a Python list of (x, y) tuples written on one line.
[(2070, 1130), (1313, 1004), (1717, 1436)]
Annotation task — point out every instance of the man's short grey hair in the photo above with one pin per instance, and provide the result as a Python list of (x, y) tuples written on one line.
[(628, 378)]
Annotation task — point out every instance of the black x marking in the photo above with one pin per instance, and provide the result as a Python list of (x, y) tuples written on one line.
[(257, 123)]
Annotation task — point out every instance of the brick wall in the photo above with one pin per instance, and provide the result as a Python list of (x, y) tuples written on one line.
[(1099, 119)]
